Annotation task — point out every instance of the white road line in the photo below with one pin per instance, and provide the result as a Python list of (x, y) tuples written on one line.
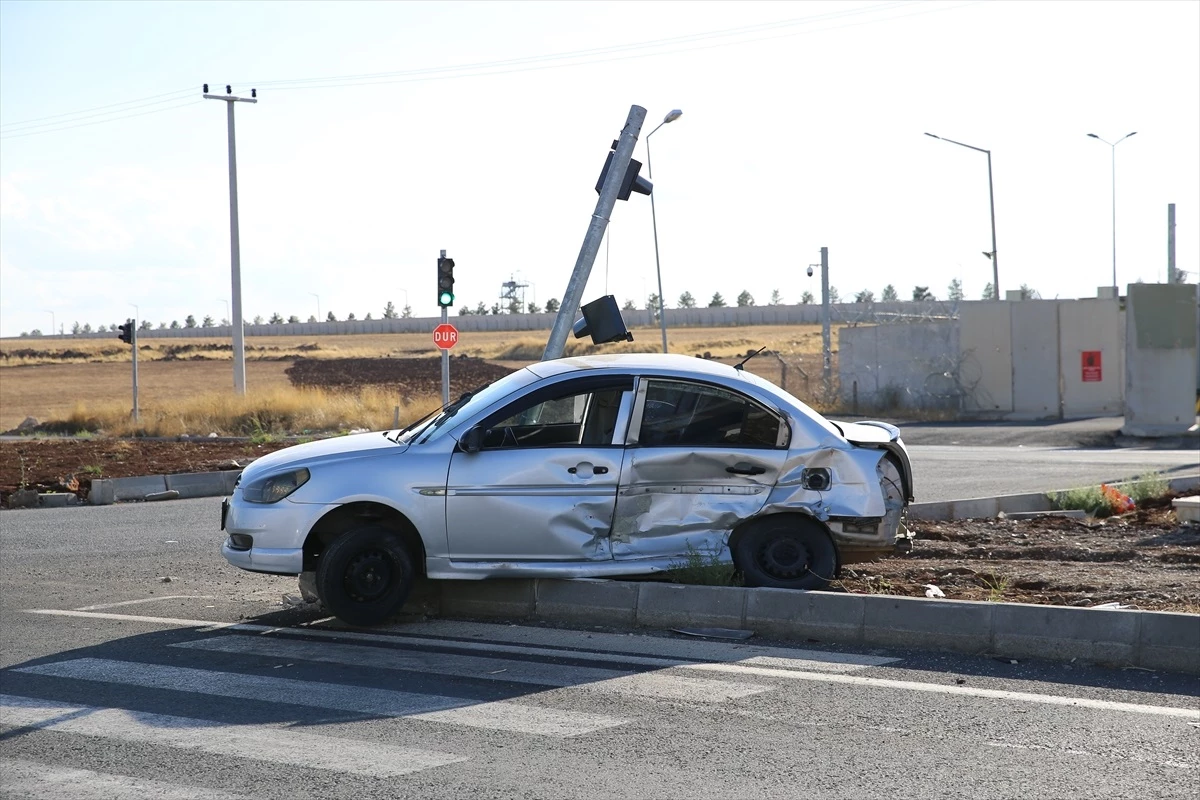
[(627, 647), (642, 644), (102, 606), (649, 684), (255, 742), (744, 670), (29, 779), (339, 697), (966, 691), (1105, 756)]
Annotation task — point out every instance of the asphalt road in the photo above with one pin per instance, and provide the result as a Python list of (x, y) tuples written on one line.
[(115, 683), (944, 472)]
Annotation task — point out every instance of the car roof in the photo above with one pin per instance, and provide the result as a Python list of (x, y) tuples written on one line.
[(635, 362)]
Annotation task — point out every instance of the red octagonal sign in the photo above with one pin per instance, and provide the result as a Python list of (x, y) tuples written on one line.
[(445, 336)]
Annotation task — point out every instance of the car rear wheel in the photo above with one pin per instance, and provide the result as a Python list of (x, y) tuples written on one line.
[(365, 575), (786, 553)]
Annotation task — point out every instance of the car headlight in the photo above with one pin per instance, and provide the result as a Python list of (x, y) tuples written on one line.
[(274, 488)]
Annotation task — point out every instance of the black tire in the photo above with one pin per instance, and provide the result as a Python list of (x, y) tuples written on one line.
[(365, 575), (786, 552)]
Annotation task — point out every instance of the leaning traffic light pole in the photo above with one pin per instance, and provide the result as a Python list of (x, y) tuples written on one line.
[(616, 181), (128, 335)]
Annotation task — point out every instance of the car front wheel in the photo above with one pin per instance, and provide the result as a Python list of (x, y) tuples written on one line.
[(786, 553), (365, 575)]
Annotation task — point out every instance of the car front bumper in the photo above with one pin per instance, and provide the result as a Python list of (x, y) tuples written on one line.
[(275, 533)]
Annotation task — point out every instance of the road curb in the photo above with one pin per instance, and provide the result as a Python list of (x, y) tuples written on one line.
[(1156, 640), (989, 507)]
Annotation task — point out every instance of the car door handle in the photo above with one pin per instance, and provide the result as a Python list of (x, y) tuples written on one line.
[(746, 468), (595, 470)]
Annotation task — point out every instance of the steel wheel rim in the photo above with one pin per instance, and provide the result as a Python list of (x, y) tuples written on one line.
[(784, 557), (368, 576)]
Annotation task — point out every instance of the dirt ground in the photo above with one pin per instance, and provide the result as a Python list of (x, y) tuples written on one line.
[(1145, 559)]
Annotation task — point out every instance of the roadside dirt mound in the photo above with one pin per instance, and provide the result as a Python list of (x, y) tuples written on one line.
[(1145, 559), (413, 376)]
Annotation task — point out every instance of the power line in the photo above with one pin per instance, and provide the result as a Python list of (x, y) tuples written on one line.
[(101, 121), (28, 122), (576, 54)]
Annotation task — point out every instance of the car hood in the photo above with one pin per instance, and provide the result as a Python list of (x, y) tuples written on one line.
[(337, 448)]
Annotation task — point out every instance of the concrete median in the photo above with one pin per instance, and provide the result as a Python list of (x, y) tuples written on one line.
[(1111, 637)]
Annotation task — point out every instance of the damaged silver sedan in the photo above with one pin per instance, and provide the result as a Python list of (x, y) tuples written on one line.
[(596, 466)]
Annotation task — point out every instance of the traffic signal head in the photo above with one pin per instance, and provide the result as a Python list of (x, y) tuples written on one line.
[(126, 332), (445, 282), (631, 182), (602, 321)]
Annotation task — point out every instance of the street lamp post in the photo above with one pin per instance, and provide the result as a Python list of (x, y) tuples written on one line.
[(671, 116), (992, 202), (314, 294), (53, 322), (239, 343), (226, 302), (1113, 147)]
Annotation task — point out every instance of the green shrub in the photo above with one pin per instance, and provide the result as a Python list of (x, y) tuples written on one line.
[(703, 568)]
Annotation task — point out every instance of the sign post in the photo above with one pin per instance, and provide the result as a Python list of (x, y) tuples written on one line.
[(445, 336)]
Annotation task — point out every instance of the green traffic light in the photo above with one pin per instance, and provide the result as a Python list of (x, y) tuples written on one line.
[(446, 299)]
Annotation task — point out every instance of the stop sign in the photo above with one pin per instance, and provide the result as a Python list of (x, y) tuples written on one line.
[(445, 336)]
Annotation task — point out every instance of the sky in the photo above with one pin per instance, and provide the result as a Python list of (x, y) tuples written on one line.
[(385, 132)]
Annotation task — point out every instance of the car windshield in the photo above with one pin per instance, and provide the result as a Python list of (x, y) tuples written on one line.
[(481, 399)]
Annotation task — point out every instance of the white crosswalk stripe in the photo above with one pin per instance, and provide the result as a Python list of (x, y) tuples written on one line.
[(256, 742), (361, 699), (659, 685), (21, 779)]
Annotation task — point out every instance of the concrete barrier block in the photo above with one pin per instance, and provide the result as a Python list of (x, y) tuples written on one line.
[(1169, 641), (137, 488), (511, 598), (229, 479), (1103, 636), (825, 616), (959, 625), (597, 602), (671, 605), (101, 493), (56, 499), (197, 484)]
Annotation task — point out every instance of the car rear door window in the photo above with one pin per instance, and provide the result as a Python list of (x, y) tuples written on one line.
[(679, 413)]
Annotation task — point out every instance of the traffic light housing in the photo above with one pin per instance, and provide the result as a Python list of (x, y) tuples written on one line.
[(127, 332), (631, 182), (445, 282), (602, 321)]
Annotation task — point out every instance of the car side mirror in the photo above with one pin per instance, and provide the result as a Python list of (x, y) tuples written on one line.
[(472, 441)]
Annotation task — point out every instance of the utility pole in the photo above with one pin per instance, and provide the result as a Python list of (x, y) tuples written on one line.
[(1170, 242), (826, 354), (239, 343), (595, 233)]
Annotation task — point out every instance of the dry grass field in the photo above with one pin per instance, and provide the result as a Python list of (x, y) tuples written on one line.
[(59, 379)]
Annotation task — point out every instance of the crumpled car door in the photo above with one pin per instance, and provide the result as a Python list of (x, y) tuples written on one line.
[(698, 461)]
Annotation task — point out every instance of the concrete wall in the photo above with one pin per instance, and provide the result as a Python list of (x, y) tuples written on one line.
[(986, 340), (1161, 359), (1035, 358), (1089, 327), (902, 365), (808, 314)]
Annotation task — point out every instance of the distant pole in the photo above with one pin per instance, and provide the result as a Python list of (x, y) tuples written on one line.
[(595, 233), (314, 294), (445, 353), (133, 334), (239, 344), (671, 116), (1170, 242), (826, 354), (994, 256), (1113, 147), (54, 324)]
